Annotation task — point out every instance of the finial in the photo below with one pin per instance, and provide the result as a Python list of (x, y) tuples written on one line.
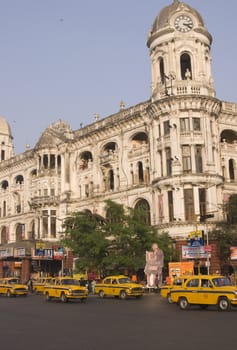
[(122, 106), (96, 116)]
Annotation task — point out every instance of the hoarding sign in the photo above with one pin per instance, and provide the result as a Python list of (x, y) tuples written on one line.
[(200, 252), (233, 253), (19, 252), (58, 253), (5, 253), (44, 254), (196, 238)]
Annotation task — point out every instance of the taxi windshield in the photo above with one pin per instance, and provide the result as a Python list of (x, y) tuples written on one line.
[(70, 281), (124, 280), (14, 281), (221, 281)]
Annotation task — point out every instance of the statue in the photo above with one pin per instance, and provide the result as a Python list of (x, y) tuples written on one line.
[(187, 74), (154, 266)]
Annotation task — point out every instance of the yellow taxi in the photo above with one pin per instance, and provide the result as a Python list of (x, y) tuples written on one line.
[(12, 286), (118, 286), (64, 289), (165, 289), (38, 285), (205, 290)]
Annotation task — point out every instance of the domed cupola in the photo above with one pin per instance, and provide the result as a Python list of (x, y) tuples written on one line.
[(180, 47), (6, 144)]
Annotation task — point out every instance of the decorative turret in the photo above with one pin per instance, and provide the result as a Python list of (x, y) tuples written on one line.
[(6, 144), (180, 56)]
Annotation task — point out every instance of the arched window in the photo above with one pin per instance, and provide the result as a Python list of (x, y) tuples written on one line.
[(139, 139), (111, 180), (231, 169), (168, 161), (162, 71), (144, 206), (19, 179), (59, 162), (198, 158), (20, 232), (4, 184), (85, 158), (33, 173), (140, 172), (45, 161), (4, 235), (229, 136), (4, 208), (185, 66)]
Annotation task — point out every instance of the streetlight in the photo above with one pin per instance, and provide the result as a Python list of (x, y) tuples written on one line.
[(203, 219)]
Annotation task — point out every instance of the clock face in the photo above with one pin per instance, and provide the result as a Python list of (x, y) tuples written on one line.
[(183, 23)]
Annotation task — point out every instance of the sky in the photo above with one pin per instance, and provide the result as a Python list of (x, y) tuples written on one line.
[(71, 59)]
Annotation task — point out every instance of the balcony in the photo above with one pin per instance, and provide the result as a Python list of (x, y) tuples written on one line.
[(41, 201), (109, 157), (138, 151)]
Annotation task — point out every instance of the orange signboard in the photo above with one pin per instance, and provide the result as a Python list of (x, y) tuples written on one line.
[(180, 268)]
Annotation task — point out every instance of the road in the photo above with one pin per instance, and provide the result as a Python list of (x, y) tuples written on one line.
[(99, 324)]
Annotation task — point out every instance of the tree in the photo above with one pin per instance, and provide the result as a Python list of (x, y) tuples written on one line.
[(225, 232), (225, 235), (114, 243), (232, 209), (85, 236)]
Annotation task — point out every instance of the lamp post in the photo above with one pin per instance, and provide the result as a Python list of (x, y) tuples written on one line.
[(203, 219)]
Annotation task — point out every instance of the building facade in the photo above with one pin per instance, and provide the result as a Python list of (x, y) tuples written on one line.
[(175, 154)]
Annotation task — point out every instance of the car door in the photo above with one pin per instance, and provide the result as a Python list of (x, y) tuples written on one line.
[(114, 287), (107, 286), (206, 295), (192, 290)]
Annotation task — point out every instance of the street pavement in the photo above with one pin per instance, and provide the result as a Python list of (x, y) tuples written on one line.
[(109, 323)]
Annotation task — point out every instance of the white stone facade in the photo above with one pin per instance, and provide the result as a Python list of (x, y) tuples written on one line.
[(175, 154)]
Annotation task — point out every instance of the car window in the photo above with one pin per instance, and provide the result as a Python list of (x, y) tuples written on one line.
[(124, 280), (107, 281), (178, 282), (205, 283), (14, 281), (67, 281), (221, 281), (193, 283)]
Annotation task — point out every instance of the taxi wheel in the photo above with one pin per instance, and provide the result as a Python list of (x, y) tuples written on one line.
[(183, 303), (169, 299), (101, 294), (123, 294), (63, 298), (223, 304), (9, 294), (47, 297)]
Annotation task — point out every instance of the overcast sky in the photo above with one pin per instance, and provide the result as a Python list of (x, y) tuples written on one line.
[(70, 59)]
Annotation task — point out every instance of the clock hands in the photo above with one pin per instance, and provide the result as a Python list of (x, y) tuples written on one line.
[(189, 25)]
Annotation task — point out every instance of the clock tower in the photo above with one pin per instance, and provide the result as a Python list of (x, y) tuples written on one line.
[(180, 55)]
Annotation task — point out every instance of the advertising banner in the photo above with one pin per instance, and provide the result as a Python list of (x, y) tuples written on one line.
[(200, 252), (42, 254), (5, 253), (196, 238), (181, 268), (58, 253), (233, 253), (19, 252)]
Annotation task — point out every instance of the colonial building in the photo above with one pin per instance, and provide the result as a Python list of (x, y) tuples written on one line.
[(175, 154)]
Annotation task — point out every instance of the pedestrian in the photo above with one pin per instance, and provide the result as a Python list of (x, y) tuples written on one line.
[(30, 285)]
